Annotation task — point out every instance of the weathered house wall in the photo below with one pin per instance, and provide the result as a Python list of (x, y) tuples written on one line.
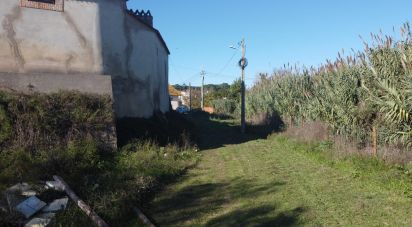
[(35, 40), (90, 37)]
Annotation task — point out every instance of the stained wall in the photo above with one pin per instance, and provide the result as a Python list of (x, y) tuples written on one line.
[(90, 37)]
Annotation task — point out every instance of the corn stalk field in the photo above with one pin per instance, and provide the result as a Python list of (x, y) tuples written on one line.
[(352, 95)]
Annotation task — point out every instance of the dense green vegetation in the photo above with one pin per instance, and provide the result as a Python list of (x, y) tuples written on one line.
[(224, 98), (65, 134), (226, 102), (247, 180), (35, 122), (352, 95)]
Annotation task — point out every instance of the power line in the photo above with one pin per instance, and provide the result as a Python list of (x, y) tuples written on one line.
[(208, 72), (173, 66), (195, 77), (228, 62), (186, 67), (191, 77)]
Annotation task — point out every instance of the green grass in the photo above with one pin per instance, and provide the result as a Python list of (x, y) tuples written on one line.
[(247, 181), (64, 134), (111, 183), (130, 178)]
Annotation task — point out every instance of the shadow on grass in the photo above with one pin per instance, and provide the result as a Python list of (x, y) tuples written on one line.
[(196, 202), (259, 216), (162, 129), (213, 131)]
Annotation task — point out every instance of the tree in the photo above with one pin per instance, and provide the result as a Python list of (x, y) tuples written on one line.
[(196, 98), (235, 89), (182, 87), (173, 91)]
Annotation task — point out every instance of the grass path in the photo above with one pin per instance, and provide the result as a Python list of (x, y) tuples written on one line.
[(273, 182)]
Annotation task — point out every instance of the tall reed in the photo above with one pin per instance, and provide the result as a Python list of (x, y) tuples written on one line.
[(353, 94)]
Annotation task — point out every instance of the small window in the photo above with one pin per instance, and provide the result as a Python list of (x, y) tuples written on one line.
[(54, 5), (44, 1)]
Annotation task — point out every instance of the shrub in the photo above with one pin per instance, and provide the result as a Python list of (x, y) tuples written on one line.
[(351, 95), (163, 129), (40, 121), (5, 125), (224, 106), (61, 134)]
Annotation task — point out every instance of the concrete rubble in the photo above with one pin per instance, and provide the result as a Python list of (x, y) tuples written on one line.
[(34, 205), (54, 185), (56, 205), (3, 208), (30, 206), (41, 220)]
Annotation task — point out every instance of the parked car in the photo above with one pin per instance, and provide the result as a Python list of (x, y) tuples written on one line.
[(182, 109)]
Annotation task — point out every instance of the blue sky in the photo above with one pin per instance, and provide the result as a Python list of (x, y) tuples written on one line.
[(199, 33)]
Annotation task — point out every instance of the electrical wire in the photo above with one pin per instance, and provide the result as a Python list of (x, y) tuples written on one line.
[(212, 74), (228, 62)]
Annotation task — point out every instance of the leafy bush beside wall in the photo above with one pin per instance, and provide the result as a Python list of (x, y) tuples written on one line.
[(66, 134), (40, 121)]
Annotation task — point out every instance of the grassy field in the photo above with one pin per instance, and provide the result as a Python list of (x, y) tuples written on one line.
[(253, 181)]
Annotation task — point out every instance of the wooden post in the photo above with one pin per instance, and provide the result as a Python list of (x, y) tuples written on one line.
[(374, 142), (243, 91), (143, 217), (80, 203), (202, 102), (190, 96)]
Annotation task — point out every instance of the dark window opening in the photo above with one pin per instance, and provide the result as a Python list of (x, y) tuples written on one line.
[(44, 1)]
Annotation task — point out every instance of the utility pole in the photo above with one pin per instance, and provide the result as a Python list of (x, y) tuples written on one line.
[(203, 73), (190, 97), (243, 64)]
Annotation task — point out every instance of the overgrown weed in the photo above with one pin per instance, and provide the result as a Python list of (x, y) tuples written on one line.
[(61, 134)]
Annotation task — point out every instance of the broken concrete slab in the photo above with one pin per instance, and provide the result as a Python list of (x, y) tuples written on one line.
[(42, 220), (18, 188), (3, 208), (13, 199), (22, 202), (28, 193), (56, 205), (23, 189), (55, 185), (30, 206)]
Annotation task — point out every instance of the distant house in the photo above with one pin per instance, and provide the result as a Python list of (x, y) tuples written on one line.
[(175, 97), (185, 97), (96, 46)]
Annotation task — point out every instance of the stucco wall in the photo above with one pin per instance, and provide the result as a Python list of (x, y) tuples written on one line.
[(34, 40), (147, 82), (34, 82), (89, 37)]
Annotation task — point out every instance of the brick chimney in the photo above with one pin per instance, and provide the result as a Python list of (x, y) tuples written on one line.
[(144, 16)]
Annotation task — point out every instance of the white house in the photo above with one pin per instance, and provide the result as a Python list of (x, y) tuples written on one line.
[(96, 46)]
